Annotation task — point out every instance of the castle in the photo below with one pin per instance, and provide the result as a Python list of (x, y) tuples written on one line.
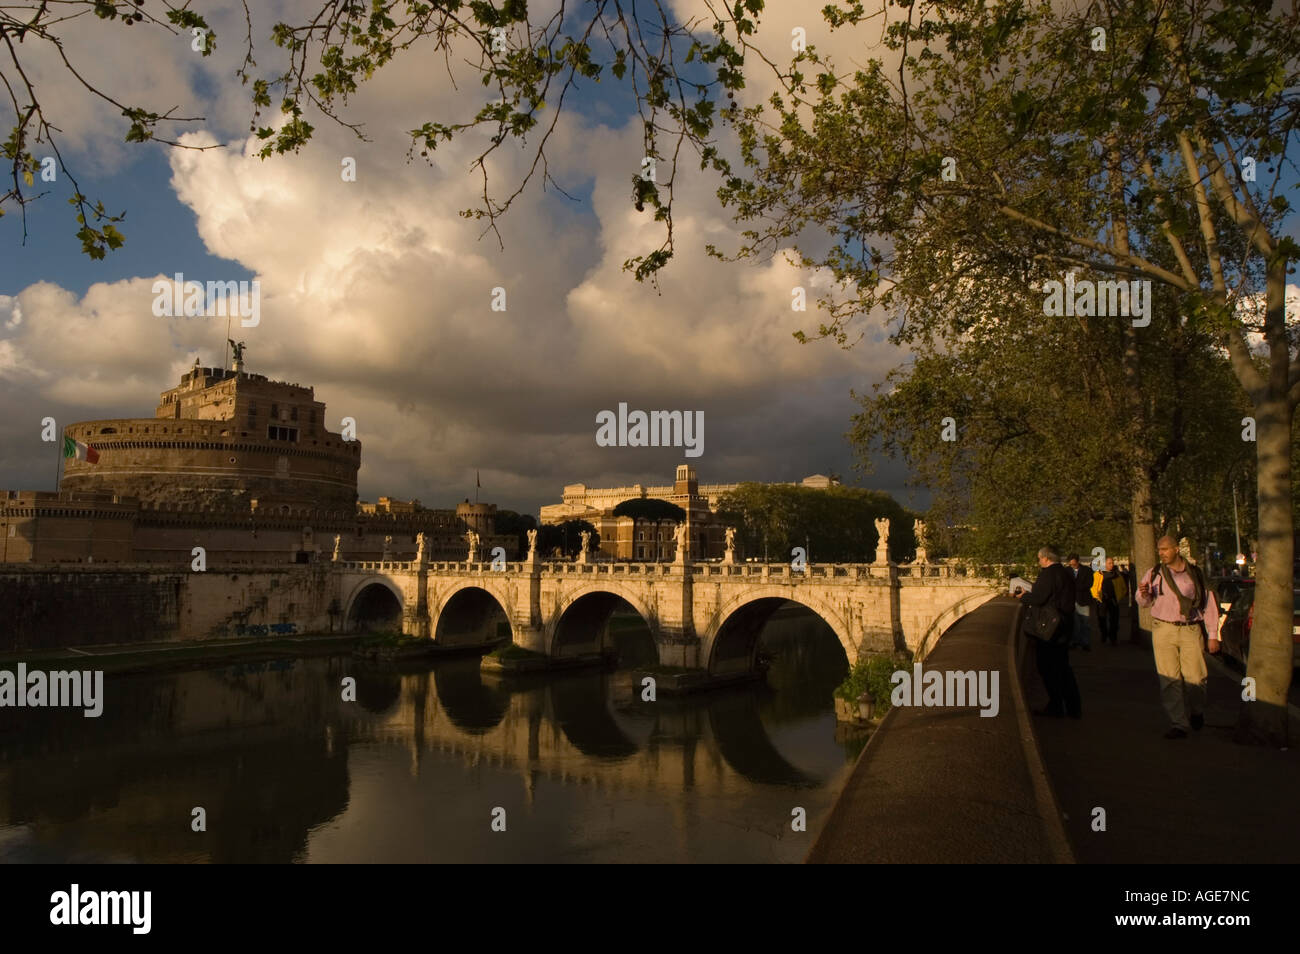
[(238, 464)]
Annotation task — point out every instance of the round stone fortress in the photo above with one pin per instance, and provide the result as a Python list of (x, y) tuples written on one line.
[(222, 436)]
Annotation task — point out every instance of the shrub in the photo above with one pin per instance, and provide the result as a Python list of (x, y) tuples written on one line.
[(872, 674)]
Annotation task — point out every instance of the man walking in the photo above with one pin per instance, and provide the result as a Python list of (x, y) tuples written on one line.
[(1180, 604), (1082, 604), (1055, 587), (1112, 584)]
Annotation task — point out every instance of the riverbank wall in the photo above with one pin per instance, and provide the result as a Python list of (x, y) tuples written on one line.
[(47, 607)]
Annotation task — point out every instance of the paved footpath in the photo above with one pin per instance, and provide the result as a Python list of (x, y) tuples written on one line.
[(1202, 799), (948, 785), (945, 785)]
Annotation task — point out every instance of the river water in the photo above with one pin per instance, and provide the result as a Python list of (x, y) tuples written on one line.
[(428, 763)]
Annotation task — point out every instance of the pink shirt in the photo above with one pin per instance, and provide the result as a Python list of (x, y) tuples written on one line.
[(1164, 604)]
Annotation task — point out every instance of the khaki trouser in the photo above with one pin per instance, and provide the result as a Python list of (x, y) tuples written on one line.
[(1180, 663)]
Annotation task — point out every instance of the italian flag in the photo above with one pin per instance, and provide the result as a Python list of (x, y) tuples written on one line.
[(80, 451)]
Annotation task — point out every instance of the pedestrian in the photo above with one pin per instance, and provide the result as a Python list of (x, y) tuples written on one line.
[(1082, 604), (1112, 585), (1055, 587), (1131, 608), (1181, 608)]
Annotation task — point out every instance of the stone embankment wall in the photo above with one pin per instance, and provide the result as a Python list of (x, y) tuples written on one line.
[(54, 607)]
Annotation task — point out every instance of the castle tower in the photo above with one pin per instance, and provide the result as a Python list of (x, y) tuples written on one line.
[(222, 438)]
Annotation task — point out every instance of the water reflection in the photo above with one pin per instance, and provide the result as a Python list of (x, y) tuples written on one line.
[(286, 770)]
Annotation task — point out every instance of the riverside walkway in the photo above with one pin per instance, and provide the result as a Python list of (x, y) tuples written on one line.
[(945, 785)]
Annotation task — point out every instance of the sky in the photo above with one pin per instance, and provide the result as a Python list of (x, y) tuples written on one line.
[(378, 293)]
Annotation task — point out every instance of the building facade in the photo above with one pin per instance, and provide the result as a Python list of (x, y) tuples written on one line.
[(622, 538)]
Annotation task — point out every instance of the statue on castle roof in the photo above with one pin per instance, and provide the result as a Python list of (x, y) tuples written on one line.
[(237, 350)]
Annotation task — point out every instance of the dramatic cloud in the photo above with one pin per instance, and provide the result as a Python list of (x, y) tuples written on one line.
[(379, 294)]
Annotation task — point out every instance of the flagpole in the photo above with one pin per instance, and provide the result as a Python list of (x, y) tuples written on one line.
[(58, 463)]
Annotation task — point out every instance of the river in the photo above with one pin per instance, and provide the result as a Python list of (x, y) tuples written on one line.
[(429, 764)]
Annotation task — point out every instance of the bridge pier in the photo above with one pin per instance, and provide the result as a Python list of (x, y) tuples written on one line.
[(674, 629)]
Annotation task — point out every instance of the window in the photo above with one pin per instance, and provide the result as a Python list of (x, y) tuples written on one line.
[(293, 413), (275, 412), (276, 433), (252, 414)]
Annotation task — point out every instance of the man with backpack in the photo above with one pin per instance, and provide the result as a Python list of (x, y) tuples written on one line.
[(1054, 587), (1181, 604)]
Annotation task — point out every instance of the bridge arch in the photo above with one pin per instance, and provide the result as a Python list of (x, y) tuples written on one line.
[(731, 642), (375, 602), (585, 608), (469, 613)]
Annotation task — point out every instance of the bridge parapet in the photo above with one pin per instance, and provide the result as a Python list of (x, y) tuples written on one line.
[(956, 570), (872, 607)]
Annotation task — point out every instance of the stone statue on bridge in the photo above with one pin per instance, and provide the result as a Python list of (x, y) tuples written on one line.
[(419, 547), (388, 550), (472, 537), (882, 531), (918, 528), (730, 555), (882, 543), (532, 545), (338, 548), (679, 534)]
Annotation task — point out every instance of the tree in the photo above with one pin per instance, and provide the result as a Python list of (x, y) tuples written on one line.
[(836, 525), (650, 508), (1020, 142), (565, 537), (516, 525), (679, 74), (1045, 456)]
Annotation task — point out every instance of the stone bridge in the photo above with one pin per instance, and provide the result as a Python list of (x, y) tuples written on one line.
[(701, 615)]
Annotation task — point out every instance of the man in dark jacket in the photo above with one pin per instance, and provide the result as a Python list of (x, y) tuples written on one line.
[(1055, 587), (1109, 609), (1083, 603)]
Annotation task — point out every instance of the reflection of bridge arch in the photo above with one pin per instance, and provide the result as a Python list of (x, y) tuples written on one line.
[(468, 614), (471, 706), (375, 602), (731, 643), (744, 742), (581, 707), (584, 614)]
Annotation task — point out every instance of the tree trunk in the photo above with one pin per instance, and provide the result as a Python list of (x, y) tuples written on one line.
[(1265, 719), (1144, 548)]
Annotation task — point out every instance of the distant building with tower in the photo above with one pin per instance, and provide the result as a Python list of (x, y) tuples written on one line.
[(238, 464), (622, 538)]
